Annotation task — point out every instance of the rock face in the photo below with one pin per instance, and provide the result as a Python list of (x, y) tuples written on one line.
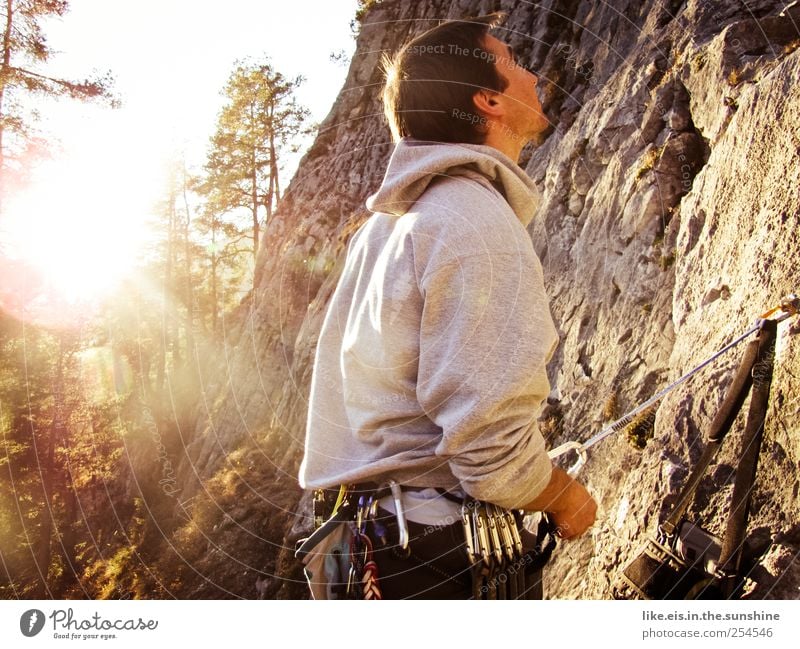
[(669, 222)]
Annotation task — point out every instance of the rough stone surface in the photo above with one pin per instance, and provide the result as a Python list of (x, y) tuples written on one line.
[(669, 222)]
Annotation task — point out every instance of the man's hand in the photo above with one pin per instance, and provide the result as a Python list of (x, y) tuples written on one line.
[(578, 515), (571, 508)]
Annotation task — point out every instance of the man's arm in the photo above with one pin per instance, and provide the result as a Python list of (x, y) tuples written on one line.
[(485, 336), (571, 507)]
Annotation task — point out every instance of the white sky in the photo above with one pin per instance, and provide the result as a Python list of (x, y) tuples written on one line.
[(170, 60)]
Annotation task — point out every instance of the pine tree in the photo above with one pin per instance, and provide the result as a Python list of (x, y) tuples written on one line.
[(259, 122), (222, 261), (24, 52)]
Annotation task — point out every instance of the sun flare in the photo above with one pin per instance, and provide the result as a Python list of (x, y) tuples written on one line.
[(77, 229)]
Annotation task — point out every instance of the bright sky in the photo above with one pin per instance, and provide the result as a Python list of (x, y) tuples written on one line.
[(81, 219)]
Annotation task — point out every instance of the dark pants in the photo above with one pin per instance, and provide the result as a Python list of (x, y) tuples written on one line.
[(434, 566)]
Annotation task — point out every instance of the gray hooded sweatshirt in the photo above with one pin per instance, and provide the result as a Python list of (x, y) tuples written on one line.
[(430, 364)]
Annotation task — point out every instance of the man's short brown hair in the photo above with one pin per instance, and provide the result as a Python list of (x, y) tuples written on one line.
[(431, 80)]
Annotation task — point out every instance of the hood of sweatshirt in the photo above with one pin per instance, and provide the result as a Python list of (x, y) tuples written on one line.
[(416, 163)]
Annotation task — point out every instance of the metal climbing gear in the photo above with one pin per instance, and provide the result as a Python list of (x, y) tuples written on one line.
[(788, 306), (400, 512), (684, 561), (350, 506), (362, 581), (501, 565)]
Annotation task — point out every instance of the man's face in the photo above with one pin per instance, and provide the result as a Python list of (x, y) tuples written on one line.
[(523, 115)]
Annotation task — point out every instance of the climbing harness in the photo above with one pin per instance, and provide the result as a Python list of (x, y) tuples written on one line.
[(684, 561), (503, 558), (788, 307), (349, 507)]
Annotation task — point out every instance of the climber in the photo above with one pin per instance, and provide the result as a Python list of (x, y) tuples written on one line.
[(430, 365)]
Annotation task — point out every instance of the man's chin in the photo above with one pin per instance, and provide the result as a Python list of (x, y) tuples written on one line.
[(534, 136), (542, 129)]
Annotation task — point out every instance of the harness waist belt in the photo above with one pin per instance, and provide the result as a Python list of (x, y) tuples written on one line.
[(427, 506)]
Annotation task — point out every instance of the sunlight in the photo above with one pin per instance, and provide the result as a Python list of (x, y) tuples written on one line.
[(80, 225), (78, 232)]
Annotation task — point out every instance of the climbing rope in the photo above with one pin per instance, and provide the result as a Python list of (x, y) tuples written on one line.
[(788, 307)]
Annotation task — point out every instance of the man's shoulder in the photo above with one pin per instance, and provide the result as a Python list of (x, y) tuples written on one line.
[(456, 200), (464, 187), (461, 216)]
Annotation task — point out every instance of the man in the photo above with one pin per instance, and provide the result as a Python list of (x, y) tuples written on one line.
[(430, 365)]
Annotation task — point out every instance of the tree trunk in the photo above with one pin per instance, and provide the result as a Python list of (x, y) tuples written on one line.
[(171, 287), (277, 184), (46, 530), (187, 268), (163, 339), (71, 568), (3, 77), (275, 188), (254, 199), (271, 138), (214, 281), (44, 552), (254, 184)]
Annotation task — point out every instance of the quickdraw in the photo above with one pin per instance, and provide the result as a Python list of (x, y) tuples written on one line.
[(501, 566)]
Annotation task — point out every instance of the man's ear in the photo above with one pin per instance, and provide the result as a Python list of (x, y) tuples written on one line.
[(487, 103)]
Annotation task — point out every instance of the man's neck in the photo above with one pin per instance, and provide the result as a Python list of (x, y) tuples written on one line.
[(511, 144)]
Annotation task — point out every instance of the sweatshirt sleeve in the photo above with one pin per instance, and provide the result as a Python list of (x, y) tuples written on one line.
[(485, 337)]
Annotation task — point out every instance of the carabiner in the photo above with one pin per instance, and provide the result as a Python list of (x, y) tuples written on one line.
[(402, 525), (566, 448)]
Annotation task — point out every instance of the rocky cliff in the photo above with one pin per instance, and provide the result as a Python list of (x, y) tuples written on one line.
[(669, 222)]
